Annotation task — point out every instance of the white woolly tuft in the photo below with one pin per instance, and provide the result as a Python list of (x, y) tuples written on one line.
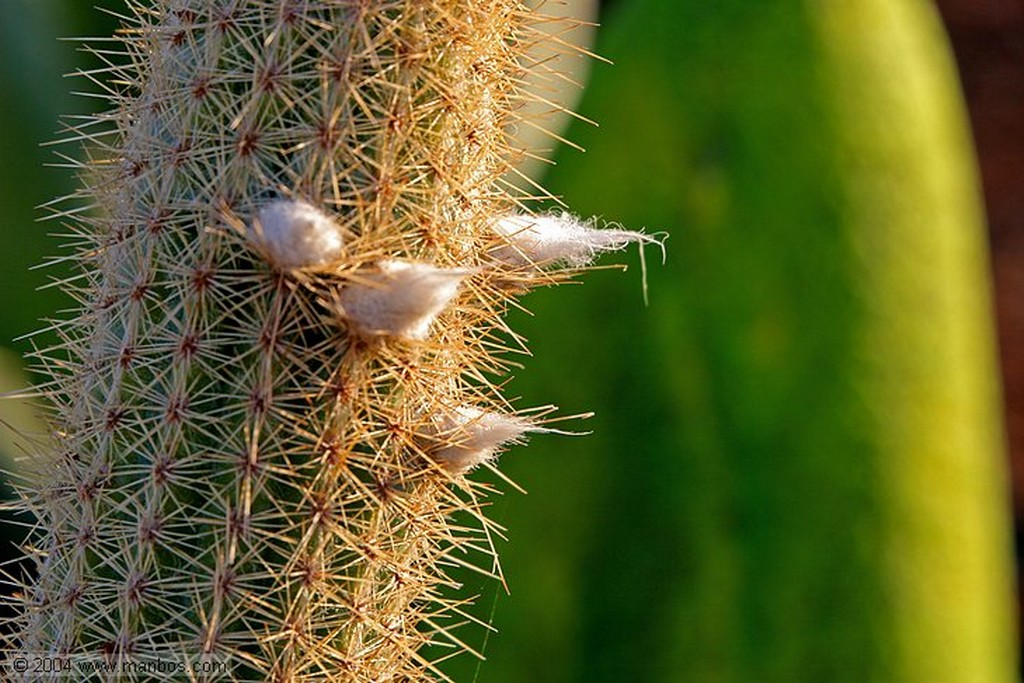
[(401, 299), (296, 234), (551, 239), (470, 437)]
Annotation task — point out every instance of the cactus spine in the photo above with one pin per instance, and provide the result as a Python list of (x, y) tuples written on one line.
[(287, 332)]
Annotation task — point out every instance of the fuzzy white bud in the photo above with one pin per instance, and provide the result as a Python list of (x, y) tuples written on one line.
[(296, 234), (401, 299), (469, 437), (552, 239)]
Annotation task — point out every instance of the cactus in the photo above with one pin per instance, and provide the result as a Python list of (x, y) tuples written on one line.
[(296, 240)]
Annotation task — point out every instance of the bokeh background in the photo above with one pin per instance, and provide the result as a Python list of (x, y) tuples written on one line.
[(686, 539)]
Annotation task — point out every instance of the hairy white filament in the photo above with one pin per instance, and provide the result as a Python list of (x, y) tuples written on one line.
[(296, 234), (469, 437), (401, 299), (555, 239)]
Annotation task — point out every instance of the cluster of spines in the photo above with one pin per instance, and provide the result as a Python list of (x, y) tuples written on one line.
[(289, 322)]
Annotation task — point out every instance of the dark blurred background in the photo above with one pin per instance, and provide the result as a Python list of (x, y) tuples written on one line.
[(582, 602), (988, 40)]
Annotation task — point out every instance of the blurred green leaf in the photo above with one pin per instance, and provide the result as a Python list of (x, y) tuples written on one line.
[(796, 443), (34, 62)]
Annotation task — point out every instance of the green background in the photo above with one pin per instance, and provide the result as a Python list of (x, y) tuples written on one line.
[(728, 519)]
